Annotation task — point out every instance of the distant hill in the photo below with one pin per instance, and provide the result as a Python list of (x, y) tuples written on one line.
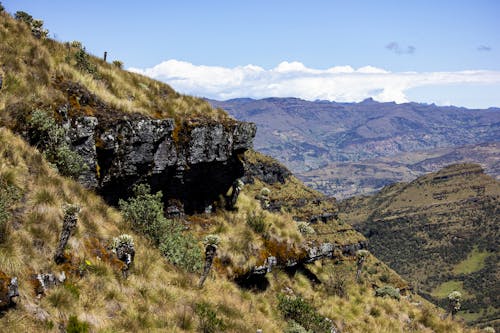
[(308, 136), (441, 233), (345, 179)]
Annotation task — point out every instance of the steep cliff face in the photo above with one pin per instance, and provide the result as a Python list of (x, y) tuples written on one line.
[(192, 161)]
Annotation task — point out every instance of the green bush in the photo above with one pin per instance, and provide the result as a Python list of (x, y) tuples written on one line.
[(299, 310), (145, 212), (118, 63), (76, 326), (45, 133), (257, 222), (182, 251), (305, 228), (388, 291), (35, 25), (83, 62), (294, 327), (208, 320)]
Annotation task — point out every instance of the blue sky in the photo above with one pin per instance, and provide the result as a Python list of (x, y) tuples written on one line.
[(451, 48)]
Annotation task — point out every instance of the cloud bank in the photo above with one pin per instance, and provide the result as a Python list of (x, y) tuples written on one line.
[(294, 79)]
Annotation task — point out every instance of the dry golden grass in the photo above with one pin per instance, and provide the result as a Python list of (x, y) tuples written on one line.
[(157, 297), (31, 67)]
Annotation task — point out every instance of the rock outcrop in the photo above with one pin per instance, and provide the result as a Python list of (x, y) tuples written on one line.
[(193, 162)]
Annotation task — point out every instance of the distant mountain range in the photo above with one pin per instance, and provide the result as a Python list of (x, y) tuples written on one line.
[(331, 145)]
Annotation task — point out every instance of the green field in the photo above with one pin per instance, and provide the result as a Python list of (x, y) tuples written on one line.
[(474, 262)]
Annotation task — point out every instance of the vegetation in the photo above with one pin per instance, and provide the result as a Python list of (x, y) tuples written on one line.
[(439, 232), (45, 133), (474, 262), (9, 193), (159, 294), (301, 312), (42, 64), (208, 320), (156, 296), (145, 213), (389, 291), (76, 326), (35, 25)]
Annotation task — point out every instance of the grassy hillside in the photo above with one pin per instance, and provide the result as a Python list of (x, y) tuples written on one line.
[(441, 233), (157, 296), (36, 73)]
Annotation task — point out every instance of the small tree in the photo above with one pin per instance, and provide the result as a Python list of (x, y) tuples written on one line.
[(454, 305)]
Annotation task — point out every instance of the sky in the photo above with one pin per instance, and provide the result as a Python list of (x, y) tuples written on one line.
[(443, 52)]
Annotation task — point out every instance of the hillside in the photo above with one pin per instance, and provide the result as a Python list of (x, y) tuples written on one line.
[(440, 232), (156, 295), (346, 179), (316, 139), (125, 206)]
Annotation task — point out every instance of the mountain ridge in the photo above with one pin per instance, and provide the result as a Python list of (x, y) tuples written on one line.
[(306, 135)]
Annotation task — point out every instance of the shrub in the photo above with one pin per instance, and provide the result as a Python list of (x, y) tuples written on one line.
[(294, 327), (209, 322), (118, 63), (51, 138), (35, 25), (257, 222), (388, 291), (182, 251), (76, 44), (305, 228), (299, 310), (1, 8), (76, 326), (145, 212), (83, 62), (454, 299), (337, 283)]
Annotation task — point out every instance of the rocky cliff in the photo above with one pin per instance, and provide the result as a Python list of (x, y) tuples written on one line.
[(192, 162)]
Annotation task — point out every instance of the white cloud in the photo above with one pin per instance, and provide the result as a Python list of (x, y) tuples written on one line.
[(294, 79)]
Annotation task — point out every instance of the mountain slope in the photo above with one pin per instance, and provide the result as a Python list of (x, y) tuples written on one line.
[(308, 136), (157, 296), (63, 100), (439, 231)]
